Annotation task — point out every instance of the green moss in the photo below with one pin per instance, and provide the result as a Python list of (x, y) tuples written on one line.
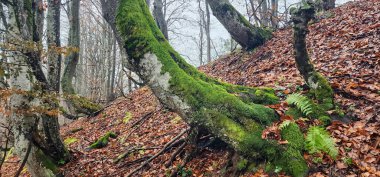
[(324, 94), (47, 162), (293, 135), (103, 141), (295, 113), (292, 163), (242, 164), (70, 140), (82, 104)]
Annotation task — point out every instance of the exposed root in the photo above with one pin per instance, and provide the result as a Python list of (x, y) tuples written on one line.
[(136, 125), (175, 154), (167, 145), (129, 151)]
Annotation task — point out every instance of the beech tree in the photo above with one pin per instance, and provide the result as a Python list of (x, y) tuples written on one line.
[(234, 114), (31, 90)]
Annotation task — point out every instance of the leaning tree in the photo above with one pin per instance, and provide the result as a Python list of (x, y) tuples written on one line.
[(235, 114)]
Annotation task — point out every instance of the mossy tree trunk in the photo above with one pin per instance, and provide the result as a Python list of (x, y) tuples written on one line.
[(319, 86), (243, 32), (227, 111)]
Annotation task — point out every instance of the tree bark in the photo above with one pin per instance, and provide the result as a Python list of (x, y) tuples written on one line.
[(199, 100), (208, 33), (320, 87), (246, 34), (74, 44), (160, 18), (50, 123), (25, 21)]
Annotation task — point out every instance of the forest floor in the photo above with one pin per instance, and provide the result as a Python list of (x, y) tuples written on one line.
[(344, 46)]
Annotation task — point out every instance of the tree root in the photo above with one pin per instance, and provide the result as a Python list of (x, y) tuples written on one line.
[(129, 151), (136, 125), (175, 154), (167, 145)]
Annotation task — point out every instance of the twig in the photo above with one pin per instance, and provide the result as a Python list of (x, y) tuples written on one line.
[(25, 159), (159, 153), (136, 161), (5, 152), (185, 161), (139, 123), (174, 155), (129, 151)]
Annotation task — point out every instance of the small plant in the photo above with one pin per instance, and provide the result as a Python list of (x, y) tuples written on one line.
[(347, 161), (301, 102), (70, 140), (319, 140), (284, 124), (183, 172), (127, 117)]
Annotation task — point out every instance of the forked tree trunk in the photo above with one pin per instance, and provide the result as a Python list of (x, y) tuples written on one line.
[(204, 102), (243, 32)]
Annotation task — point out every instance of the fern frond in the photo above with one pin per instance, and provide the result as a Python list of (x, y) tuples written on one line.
[(301, 102), (319, 140), (284, 124)]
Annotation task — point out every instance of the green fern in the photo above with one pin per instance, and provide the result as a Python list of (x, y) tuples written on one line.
[(319, 140), (301, 102), (284, 124)]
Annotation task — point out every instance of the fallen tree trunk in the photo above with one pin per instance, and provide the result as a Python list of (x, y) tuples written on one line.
[(210, 105)]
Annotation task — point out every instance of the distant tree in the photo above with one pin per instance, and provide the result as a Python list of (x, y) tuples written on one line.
[(160, 18), (72, 58), (242, 31)]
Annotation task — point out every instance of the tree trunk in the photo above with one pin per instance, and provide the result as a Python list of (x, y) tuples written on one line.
[(50, 122), (25, 25), (160, 18), (113, 70), (320, 87), (274, 17), (246, 34), (74, 44), (208, 35), (201, 101)]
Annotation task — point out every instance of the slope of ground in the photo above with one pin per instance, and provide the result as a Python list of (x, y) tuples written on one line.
[(344, 47)]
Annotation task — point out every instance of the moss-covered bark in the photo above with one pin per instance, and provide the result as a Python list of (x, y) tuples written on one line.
[(320, 87), (212, 106), (102, 141)]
